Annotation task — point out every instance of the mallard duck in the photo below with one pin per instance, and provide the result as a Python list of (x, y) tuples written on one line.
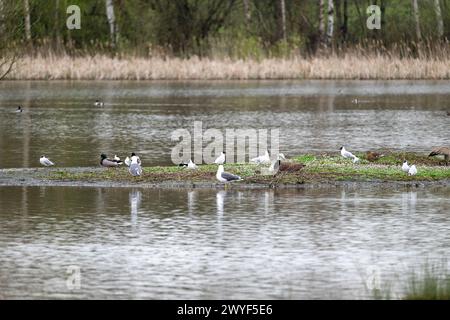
[(109, 163)]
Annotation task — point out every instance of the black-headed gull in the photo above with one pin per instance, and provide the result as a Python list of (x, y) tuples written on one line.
[(412, 171), (405, 167), (220, 159), (223, 176), (191, 165), (133, 155), (105, 162), (347, 155), (128, 160), (46, 162)]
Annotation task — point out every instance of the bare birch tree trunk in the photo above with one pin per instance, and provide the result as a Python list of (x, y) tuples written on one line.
[(112, 22), (26, 7), (330, 26), (440, 22), (321, 24), (416, 19), (283, 19)]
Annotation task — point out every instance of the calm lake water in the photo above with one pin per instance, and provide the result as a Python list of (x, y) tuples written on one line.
[(211, 244), (208, 244), (312, 116)]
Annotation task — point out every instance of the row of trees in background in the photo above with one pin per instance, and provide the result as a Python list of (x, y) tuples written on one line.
[(232, 28)]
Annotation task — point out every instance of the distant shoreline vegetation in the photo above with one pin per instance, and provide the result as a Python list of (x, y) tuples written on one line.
[(224, 39), (354, 65)]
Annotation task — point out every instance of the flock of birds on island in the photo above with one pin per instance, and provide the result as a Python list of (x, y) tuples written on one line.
[(135, 165)]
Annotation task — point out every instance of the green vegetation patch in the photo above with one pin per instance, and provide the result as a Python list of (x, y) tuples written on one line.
[(319, 168)]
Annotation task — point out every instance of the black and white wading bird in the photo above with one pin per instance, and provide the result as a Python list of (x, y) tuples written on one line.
[(223, 176)]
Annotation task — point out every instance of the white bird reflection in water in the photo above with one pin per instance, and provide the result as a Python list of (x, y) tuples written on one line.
[(135, 197), (409, 201), (220, 198), (268, 201), (191, 198)]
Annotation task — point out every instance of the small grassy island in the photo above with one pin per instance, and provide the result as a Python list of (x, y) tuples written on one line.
[(321, 169), (318, 169)]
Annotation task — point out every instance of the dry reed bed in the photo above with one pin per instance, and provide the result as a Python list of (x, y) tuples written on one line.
[(347, 67)]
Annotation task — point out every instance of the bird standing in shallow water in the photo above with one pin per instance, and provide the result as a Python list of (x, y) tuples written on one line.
[(46, 162)]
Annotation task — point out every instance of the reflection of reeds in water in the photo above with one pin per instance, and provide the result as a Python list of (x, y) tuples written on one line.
[(348, 66)]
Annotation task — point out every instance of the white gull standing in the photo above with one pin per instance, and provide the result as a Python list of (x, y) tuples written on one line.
[(220, 159), (46, 162), (264, 159), (412, 171), (135, 168), (405, 167), (347, 154)]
